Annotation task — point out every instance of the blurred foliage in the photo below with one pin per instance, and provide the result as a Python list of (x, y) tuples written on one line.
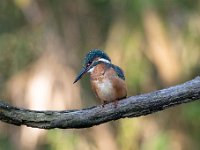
[(11, 17), (140, 36)]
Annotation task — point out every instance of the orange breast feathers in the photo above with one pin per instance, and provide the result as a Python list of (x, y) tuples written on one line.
[(106, 84)]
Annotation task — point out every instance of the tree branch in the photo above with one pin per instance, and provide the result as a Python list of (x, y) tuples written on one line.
[(133, 106)]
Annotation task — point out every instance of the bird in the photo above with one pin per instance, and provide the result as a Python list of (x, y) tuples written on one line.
[(107, 80)]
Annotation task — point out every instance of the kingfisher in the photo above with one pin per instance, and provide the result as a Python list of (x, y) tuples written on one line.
[(107, 80)]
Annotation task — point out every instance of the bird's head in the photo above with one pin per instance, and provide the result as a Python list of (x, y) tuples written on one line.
[(92, 58)]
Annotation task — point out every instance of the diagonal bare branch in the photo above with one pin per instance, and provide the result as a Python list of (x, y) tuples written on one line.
[(133, 106)]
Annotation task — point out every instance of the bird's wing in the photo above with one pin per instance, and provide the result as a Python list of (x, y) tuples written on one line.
[(119, 71)]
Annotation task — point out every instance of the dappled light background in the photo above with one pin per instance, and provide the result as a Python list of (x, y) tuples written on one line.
[(42, 44)]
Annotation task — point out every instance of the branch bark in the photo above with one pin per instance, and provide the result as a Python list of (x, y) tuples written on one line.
[(133, 106)]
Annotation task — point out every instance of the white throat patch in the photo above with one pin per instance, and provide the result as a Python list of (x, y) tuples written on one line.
[(91, 70)]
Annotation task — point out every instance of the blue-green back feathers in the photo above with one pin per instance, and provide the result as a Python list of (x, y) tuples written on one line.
[(117, 69)]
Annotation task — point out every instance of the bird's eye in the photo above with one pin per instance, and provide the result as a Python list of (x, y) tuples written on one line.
[(89, 63)]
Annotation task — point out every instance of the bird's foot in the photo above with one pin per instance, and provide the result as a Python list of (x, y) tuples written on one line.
[(104, 103), (115, 103)]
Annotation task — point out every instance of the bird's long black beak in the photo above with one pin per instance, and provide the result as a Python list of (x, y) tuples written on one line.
[(80, 75)]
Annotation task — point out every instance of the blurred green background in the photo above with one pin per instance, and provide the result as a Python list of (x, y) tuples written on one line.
[(42, 44)]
